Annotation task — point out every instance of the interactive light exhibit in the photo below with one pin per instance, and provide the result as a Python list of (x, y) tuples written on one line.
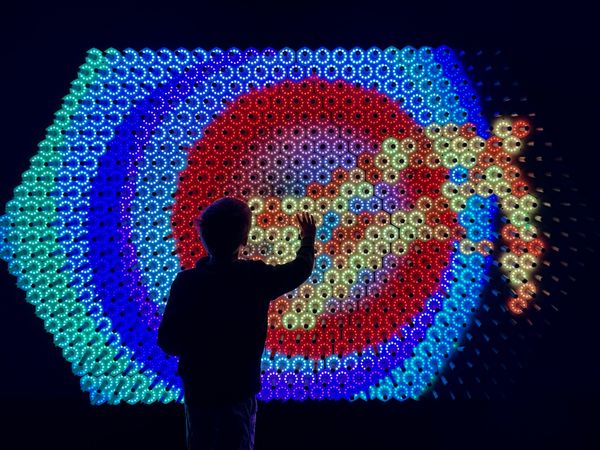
[(415, 192)]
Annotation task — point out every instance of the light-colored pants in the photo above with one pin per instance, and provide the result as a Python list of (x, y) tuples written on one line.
[(221, 427)]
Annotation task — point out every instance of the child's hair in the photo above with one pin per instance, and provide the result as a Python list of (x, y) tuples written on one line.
[(223, 225)]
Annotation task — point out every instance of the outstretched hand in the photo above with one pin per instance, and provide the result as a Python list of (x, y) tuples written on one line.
[(307, 225)]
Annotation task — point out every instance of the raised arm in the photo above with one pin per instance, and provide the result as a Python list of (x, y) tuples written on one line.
[(279, 279)]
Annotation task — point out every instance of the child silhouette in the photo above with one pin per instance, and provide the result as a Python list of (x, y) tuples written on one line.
[(215, 320)]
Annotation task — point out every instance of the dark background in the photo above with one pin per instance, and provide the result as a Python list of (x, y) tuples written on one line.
[(534, 386)]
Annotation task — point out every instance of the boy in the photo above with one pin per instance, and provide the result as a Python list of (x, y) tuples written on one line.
[(215, 320)]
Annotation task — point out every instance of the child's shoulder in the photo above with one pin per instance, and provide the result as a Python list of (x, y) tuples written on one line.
[(203, 263), (251, 263), (251, 267)]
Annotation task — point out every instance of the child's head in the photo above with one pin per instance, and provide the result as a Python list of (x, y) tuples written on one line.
[(224, 226)]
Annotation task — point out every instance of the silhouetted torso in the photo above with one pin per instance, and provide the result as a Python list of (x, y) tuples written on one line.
[(216, 322)]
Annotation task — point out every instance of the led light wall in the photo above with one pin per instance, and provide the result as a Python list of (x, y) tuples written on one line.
[(415, 194)]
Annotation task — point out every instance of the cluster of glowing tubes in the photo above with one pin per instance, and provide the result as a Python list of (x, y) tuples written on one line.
[(387, 148)]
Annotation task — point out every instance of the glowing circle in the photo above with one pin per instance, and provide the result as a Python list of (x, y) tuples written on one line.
[(386, 147)]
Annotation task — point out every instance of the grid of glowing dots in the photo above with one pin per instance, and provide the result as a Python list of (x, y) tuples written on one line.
[(386, 147)]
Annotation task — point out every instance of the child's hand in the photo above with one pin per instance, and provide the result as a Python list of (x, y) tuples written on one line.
[(307, 225)]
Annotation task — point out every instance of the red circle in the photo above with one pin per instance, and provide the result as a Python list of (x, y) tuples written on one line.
[(259, 125)]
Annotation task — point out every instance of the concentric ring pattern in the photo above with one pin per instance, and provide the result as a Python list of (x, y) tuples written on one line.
[(411, 187)]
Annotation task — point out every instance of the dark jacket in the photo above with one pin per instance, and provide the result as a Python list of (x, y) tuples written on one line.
[(215, 320)]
